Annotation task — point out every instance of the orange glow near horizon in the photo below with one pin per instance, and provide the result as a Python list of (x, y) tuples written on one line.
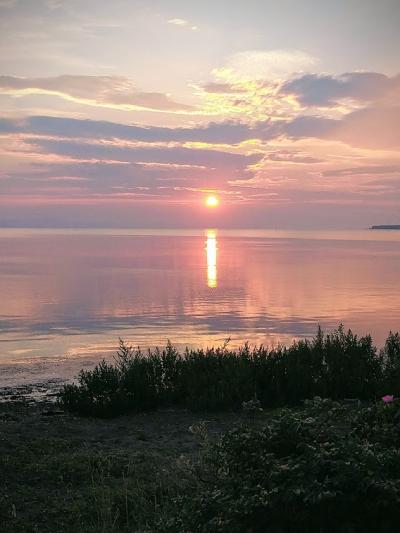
[(212, 201)]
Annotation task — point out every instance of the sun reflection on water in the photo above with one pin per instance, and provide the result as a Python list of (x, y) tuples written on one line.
[(211, 252)]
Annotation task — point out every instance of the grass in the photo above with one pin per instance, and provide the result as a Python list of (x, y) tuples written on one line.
[(69, 474), (338, 365)]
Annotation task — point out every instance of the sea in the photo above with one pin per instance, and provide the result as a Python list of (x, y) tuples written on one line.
[(68, 295)]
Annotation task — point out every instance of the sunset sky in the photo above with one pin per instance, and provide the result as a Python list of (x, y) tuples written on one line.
[(130, 113)]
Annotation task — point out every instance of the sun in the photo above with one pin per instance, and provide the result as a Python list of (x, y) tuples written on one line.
[(212, 201)]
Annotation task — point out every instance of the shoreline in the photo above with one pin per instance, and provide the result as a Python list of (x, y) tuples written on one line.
[(44, 377)]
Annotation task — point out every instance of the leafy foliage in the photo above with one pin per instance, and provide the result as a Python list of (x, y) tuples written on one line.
[(391, 356), (338, 365), (304, 471), (379, 423)]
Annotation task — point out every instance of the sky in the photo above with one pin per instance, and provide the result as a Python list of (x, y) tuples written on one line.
[(130, 113)]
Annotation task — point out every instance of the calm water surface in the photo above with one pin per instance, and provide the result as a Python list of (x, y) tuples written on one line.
[(69, 294)]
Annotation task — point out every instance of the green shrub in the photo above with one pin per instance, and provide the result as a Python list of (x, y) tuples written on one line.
[(379, 423), (338, 365), (303, 472), (217, 379), (98, 392), (391, 363)]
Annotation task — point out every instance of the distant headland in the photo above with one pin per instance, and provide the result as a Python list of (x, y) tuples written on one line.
[(386, 226)]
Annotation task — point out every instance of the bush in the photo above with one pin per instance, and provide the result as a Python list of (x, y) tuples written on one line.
[(338, 365), (391, 363), (304, 471), (379, 423)]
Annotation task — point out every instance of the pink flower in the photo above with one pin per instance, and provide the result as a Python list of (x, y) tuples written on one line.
[(388, 398)]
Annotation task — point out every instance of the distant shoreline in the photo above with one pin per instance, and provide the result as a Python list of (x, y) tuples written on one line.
[(387, 226)]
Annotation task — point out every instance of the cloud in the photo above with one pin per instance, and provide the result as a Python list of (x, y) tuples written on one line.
[(229, 132), (89, 173), (374, 127), (222, 88), (54, 4), (253, 87), (178, 22), (304, 126), (71, 162), (248, 83), (326, 91), (7, 4), (265, 64), (182, 23), (363, 170), (105, 91), (165, 155), (72, 158), (288, 156)]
